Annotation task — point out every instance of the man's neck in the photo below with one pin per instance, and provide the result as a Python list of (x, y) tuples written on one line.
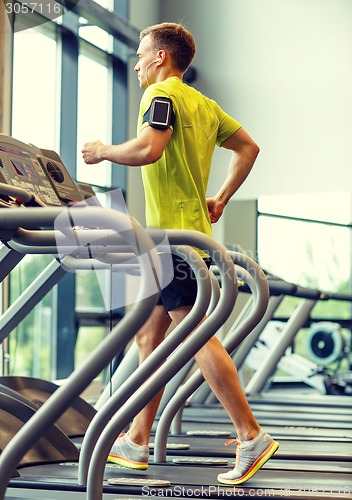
[(166, 73)]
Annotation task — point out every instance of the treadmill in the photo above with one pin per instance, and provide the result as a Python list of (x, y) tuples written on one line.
[(190, 481)]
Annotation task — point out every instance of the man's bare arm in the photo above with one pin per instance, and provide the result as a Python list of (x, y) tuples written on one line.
[(143, 150), (245, 152)]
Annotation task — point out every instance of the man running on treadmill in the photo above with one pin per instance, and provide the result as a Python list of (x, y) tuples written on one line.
[(178, 129)]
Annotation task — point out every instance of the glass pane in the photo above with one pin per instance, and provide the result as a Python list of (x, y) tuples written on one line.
[(95, 35), (34, 118), (88, 292), (309, 254), (89, 338), (31, 343), (329, 207), (107, 4), (94, 317), (94, 117)]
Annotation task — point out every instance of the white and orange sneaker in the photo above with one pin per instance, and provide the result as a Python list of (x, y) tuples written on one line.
[(250, 457)]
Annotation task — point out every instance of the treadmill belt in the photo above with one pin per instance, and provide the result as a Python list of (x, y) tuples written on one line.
[(283, 417), (286, 431), (265, 420), (190, 481), (289, 449)]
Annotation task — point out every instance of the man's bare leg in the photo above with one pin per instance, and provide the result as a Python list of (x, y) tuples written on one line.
[(148, 338), (220, 372), (254, 447), (216, 366)]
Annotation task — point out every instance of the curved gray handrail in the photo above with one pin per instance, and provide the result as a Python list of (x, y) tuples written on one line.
[(174, 409), (126, 367), (15, 192), (203, 392), (276, 289), (186, 351), (275, 353), (215, 296), (244, 348), (9, 259), (130, 363), (141, 374), (121, 262), (255, 278), (119, 336), (181, 375)]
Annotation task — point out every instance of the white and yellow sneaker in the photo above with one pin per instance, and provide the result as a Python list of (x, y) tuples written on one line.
[(250, 457), (129, 454)]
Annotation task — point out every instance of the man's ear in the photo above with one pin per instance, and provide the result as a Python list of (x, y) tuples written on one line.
[(161, 56)]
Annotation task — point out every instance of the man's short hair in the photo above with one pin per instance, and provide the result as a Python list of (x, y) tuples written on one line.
[(175, 39)]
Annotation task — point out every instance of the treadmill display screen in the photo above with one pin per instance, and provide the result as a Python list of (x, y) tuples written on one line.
[(24, 169), (19, 167)]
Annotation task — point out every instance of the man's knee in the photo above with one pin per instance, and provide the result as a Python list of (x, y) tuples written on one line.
[(148, 341), (154, 329)]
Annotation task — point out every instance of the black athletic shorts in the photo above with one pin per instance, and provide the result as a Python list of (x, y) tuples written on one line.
[(182, 290)]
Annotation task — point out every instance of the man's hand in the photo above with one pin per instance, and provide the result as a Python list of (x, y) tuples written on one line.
[(215, 209), (91, 152)]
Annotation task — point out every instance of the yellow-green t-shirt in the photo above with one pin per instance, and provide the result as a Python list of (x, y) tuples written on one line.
[(175, 186)]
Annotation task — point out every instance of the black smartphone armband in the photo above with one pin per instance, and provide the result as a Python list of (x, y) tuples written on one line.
[(160, 115)]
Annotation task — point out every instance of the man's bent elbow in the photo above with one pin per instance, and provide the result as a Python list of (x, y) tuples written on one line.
[(152, 155), (255, 150)]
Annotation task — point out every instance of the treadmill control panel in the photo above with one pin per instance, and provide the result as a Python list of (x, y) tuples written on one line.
[(39, 172)]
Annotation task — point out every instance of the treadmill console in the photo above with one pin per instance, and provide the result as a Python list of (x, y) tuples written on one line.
[(39, 172)]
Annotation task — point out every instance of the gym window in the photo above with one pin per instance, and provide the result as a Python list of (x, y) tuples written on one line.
[(307, 240), (76, 96)]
